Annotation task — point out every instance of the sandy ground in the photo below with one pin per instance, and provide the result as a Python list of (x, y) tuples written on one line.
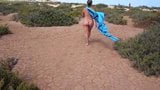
[(56, 58)]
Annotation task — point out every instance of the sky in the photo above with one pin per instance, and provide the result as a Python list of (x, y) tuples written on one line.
[(150, 3)]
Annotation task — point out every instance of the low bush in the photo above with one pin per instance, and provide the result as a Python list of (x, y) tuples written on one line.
[(48, 17), (12, 7), (9, 80), (41, 15), (143, 18), (143, 50), (101, 6), (116, 19), (114, 16), (4, 30), (7, 9), (76, 13)]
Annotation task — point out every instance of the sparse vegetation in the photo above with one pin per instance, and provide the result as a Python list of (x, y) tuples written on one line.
[(6, 8), (31, 13), (4, 30), (143, 18), (114, 16), (39, 14), (76, 13), (48, 17), (143, 51), (9, 80)]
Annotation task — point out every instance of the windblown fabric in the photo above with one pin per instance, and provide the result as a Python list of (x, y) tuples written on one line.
[(99, 17)]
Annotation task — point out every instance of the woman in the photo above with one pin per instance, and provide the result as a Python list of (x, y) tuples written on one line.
[(89, 14), (88, 22)]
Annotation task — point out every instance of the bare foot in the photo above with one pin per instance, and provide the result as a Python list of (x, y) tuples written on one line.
[(87, 44)]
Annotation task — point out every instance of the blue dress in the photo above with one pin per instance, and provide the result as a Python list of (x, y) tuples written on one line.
[(99, 17)]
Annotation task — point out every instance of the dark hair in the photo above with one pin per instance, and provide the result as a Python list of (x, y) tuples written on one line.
[(89, 3)]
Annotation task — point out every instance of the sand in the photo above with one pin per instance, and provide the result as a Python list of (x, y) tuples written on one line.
[(56, 58)]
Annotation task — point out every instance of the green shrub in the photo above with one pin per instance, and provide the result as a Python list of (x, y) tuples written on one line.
[(4, 30), (117, 19), (101, 6), (7, 9), (76, 13), (114, 16), (48, 17), (9, 80), (25, 86), (143, 50), (40, 14), (11, 7), (143, 18)]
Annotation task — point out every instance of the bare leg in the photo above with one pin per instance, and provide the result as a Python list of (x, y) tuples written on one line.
[(87, 34), (89, 31)]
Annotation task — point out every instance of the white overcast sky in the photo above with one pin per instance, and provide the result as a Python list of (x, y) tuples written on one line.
[(122, 2)]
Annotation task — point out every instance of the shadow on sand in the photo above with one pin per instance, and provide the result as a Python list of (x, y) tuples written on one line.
[(106, 44)]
